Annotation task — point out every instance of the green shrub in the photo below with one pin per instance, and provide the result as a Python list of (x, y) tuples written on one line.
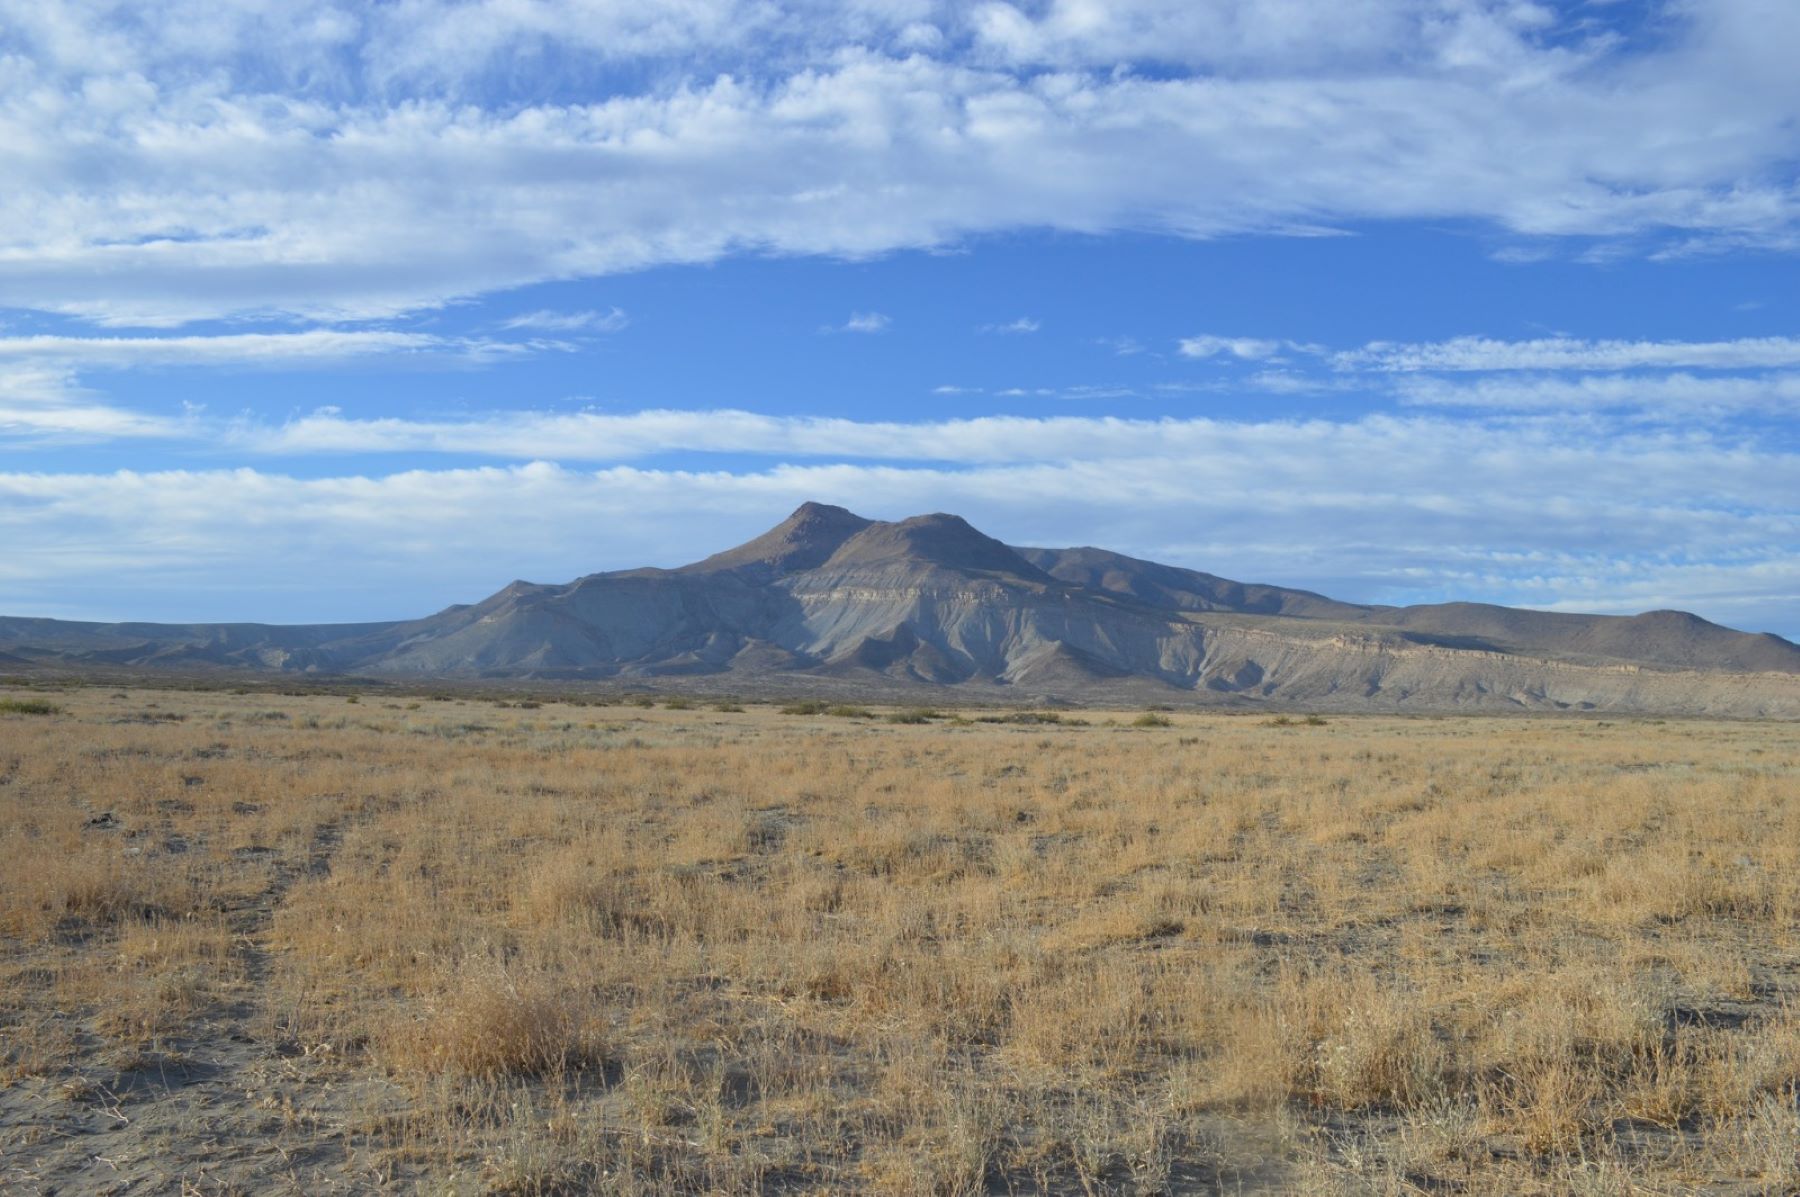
[(1151, 719), (28, 706), (807, 706), (844, 711), (679, 704)]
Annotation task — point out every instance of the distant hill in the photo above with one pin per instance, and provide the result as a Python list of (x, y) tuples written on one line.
[(930, 601)]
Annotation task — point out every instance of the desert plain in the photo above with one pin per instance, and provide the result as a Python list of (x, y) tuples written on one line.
[(453, 942)]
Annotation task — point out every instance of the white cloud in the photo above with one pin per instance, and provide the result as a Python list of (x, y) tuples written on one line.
[(1674, 394), (1264, 36), (862, 322), (610, 321), (316, 347), (45, 404), (1123, 346), (1568, 353), (1473, 464), (1023, 325), (173, 161), (449, 44), (1541, 512), (1242, 348), (592, 436), (1288, 382), (82, 423)]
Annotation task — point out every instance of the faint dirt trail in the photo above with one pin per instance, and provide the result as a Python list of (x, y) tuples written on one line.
[(182, 1116)]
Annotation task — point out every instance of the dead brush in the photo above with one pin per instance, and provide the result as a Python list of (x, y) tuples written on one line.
[(485, 1020), (1383, 1055), (89, 889)]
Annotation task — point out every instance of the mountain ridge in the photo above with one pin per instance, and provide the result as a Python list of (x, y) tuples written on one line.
[(930, 601)]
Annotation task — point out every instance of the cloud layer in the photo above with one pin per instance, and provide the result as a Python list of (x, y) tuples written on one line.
[(1562, 473), (173, 161), (1391, 508)]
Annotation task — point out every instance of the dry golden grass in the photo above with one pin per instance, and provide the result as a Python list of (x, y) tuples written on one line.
[(254, 943)]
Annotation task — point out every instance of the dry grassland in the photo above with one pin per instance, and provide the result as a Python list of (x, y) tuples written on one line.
[(302, 944)]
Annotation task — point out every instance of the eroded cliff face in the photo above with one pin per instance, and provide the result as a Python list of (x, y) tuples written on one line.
[(931, 601)]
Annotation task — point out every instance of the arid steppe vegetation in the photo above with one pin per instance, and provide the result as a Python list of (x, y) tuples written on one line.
[(319, 943)]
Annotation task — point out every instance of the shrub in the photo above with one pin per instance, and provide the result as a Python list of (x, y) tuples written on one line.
[(28, 706), (807, 706), (844, 711), (1151, 719), (1028, 718), (489, 1023)]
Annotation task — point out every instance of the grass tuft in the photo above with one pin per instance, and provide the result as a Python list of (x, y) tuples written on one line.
[(487, 1022)]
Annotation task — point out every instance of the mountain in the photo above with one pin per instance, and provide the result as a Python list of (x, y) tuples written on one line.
[(828, 599), (1176, 589)]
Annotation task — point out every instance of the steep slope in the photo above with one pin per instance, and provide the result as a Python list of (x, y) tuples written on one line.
[(1177, 589), (641, 621), (803, 540), (932, 599)]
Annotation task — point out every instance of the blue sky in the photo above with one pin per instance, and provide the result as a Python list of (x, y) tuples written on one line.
[(318, 311)]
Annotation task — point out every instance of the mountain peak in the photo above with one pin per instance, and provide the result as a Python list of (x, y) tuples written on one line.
[(939, 539), (810, 510), (817, 533), (805, 539)]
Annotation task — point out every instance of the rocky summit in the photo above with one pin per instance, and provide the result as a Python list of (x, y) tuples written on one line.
[(829, 599)]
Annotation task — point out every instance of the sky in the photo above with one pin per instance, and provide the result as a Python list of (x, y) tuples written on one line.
[(317, 311)]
